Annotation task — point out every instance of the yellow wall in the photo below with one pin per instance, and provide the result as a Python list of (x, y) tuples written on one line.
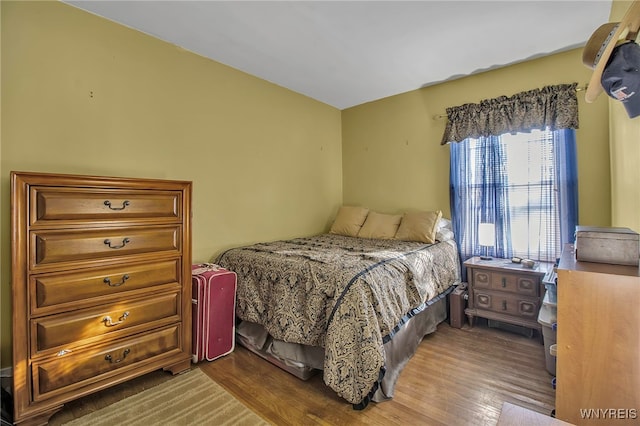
[(83, 95), (625, 155), (393, 160)]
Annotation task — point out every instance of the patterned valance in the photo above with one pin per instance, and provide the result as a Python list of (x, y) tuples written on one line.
[(555, 107)]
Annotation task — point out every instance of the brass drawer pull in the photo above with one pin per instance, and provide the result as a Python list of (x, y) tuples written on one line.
[(124, 243), (112, 361), (108, 322), (108, 282), (124, 205)]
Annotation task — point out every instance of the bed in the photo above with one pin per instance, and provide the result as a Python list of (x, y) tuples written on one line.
[(355, 308)]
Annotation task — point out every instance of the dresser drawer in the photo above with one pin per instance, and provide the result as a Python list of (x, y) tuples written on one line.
[(74, 370), (521, 284), (509, 304), (59, 292), (65, 331), (72, 246), (53, 205)]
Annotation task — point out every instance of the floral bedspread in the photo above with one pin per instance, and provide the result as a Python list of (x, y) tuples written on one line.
[(342, 293)]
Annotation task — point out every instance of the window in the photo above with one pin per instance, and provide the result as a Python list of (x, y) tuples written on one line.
[(525, 183)]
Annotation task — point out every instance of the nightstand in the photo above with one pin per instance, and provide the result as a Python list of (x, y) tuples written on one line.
[(505, 291)]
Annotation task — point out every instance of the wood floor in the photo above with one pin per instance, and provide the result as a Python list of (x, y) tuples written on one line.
[(457, 377)]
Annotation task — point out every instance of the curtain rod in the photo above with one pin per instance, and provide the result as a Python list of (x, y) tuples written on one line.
[(441, 116)]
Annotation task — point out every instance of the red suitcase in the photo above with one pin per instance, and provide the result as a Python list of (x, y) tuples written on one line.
[(213, 299)]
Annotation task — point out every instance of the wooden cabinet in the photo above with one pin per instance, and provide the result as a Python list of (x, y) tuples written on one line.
[(598, 342), (101, 281), (504, 291)]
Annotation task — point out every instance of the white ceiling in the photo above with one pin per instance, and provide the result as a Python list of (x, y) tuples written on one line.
[(346, 53)]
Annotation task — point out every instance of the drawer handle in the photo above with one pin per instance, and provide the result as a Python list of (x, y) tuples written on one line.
[(108, 322), (504, 305), (504, 282), (112, 361), (108, 282), (124, 243), (124, 205)]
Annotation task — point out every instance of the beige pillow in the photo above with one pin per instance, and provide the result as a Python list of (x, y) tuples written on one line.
[(378, 225), (419, 226), (349, 220)]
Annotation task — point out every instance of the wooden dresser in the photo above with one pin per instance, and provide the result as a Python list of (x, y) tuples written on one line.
[(504, 291), (598, 342), (101, 280)]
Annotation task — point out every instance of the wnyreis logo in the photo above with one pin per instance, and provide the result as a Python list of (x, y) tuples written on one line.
[(621, 95), (608, 413)]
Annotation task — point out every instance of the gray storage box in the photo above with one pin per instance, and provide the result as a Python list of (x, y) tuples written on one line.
[(619, 246)]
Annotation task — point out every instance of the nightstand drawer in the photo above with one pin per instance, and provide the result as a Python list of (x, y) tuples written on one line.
[(526, 308), (521, 284)]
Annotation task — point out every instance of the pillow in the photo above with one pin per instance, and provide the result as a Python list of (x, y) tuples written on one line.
[(419, 226), (444, 234), (444, 230), (349, 220), (444, 223), (378, 225)]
